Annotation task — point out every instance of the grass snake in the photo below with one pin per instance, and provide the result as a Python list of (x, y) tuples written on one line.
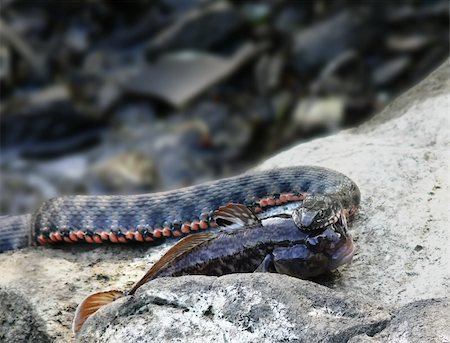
[(313, 196)]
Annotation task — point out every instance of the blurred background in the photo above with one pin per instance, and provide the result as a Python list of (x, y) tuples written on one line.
[(109, 97)]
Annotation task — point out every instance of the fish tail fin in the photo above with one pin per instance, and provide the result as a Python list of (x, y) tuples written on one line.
[(92, 304)]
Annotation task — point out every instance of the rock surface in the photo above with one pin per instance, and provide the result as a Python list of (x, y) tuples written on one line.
[(19, 322), (400, 161), (234, 308), (419, 321)]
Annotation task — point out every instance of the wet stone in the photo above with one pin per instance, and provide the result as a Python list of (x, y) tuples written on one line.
[(315, 46), (196, 29), (390, 71)]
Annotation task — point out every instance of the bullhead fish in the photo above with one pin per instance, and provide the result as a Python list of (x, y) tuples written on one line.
[(251, 245)]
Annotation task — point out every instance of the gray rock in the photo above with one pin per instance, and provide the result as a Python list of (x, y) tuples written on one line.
[(128, 171), (47, 129), (322, 42), (411, 43), (318, 113), (419, 321), (390, 71), (18, 320), (36, 61), (197, 29), (432, 10), (268, 71), (178, 78), (5, 63), (234, 308)]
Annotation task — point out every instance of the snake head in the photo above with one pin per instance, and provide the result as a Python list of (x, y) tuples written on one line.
[(317, 212)]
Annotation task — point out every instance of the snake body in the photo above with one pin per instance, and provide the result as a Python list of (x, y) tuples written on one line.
[(154, 216)]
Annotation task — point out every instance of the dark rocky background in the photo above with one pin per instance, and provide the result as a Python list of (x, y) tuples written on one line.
[(125, 97)]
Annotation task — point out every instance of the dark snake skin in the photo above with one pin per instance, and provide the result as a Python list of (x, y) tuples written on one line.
[(150, 217)]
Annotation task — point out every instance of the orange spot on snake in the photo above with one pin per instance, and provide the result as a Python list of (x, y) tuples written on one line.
[(194, 226), (203, 225), (88, 239), (67, 240), (166, 232), (73, 236), (113, 237), (122, 239), (41, 240), (185, 228), (289, 196), (97, 239), (52, 237), (177, 233), (270, 201), (148, 239), (104, 236), (157, 233), (129, 235), (138, 237), (79, 234)]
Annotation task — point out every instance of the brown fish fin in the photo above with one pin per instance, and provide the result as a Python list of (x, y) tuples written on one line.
[(182, 247), (237, 214), (91, 304)]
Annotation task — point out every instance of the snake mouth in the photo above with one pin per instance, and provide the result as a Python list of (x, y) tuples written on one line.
[(343, 254)]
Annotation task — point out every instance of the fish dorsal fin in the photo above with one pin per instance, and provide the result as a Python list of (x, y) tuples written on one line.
[(237, 214), (91, 304), (182, 247)]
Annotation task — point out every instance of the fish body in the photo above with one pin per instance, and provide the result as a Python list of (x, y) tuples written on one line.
[(271, 245), (238, 251)]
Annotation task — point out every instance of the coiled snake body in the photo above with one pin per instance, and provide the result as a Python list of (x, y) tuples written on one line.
[(152, 217)]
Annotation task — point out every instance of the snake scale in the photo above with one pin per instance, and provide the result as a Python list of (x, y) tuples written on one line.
[(155, 216)]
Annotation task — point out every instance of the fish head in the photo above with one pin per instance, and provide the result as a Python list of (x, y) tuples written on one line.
[(319, 254), (299, 261), (334, 243)]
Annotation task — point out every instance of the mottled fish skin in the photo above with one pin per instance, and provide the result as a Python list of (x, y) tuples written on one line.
[(239, 251), (243, 250), (150, 217)]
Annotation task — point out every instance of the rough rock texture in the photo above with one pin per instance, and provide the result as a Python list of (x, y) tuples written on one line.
[(18, 320), (234, 308), (400, 161), (419, 321)]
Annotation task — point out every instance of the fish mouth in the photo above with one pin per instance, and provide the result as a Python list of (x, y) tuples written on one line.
[(343, 254)]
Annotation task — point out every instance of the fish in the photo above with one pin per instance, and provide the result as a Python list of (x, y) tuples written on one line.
[(247, 244)]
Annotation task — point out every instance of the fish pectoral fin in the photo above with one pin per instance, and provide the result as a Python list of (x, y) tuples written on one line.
[(91, 304), (236, 214), (266, 265)]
